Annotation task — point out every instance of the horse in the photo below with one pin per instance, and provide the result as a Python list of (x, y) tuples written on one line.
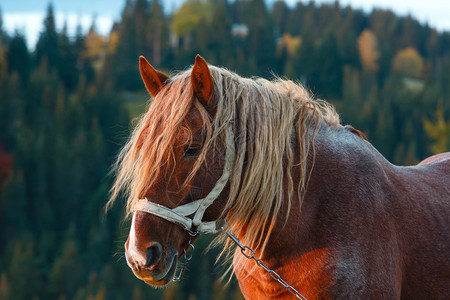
[(312, 204)]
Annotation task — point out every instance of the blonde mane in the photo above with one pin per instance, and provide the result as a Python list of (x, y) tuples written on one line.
[(264, 115)]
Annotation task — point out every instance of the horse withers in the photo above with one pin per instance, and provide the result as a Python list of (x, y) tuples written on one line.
[(316, 202)]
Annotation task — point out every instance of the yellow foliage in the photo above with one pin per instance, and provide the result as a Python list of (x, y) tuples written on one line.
[(95, 49), (95, 45), (189, 16), (408, 62), (100, 294), (291, 43), (368, 50), (438, 131), (113, 41)]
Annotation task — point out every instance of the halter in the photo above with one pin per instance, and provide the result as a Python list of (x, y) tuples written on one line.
[(179, 215), (195, 226)]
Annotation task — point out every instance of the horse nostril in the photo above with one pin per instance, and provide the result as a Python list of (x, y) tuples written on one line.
[(154, 253)]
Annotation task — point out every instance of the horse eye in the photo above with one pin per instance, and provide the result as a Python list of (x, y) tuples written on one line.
[(191, 151)]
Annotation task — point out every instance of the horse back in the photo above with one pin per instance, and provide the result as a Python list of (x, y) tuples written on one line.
[(438, 158), (425, 228)]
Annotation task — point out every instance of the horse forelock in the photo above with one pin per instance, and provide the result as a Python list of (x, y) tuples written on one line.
[(264, 115), (150, 149)]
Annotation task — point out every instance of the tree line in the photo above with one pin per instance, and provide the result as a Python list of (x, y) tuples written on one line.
[(66, 108)]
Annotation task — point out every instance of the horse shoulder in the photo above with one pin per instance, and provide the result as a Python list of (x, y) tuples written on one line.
[(311, 274)]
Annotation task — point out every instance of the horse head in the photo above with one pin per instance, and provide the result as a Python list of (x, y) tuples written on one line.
[(168, 200)]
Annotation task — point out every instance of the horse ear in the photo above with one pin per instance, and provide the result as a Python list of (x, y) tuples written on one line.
[(202, 81), (154, 80)]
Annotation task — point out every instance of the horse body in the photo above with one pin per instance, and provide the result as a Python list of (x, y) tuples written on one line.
[(318, 203), (376, 231), (423, 222)]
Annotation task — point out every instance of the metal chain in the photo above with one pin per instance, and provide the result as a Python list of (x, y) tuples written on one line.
[(187, 257), (261, 264)]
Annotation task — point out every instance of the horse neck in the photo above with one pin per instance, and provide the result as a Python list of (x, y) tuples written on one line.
[(345, 167)]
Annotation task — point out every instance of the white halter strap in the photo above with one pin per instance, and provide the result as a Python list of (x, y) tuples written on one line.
[(178, 215)]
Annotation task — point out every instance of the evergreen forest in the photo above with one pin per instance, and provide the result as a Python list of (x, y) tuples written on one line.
[(68, 105)]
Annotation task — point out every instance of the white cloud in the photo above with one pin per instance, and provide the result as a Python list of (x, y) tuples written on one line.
[(31, 24)]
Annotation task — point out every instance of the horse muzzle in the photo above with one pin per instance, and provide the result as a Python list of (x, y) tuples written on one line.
[(153, 266)]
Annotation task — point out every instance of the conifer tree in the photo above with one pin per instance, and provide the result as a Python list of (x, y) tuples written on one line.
[(67, 65), (18, 57), (47, 45), (156, 32)]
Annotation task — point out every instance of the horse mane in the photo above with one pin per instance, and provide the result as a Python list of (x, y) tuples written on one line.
[(356, 131), (265, 114)]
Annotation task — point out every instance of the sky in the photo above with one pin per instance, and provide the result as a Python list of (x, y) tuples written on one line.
[(27, 15)]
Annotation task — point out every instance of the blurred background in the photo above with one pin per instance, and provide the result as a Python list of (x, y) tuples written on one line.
[(70, 88)]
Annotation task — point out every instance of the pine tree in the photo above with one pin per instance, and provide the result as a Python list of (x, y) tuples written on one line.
[(261, 37), (280, 13), (3, 48), (18, 57), (47, 45), (157, 32), (127, 52)]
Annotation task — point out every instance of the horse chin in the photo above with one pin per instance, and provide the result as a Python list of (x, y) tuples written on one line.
[(164, 277)]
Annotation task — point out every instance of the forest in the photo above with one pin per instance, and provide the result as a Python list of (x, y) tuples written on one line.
[(68, 105)]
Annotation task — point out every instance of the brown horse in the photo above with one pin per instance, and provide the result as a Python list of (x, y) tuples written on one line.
[(319, 204)]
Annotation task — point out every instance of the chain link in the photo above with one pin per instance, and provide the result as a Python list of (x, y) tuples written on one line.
[(250, 254), (187, 257)]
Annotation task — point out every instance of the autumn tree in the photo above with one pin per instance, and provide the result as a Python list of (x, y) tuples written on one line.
[(439, 131), (368, 50), (409, 62)]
